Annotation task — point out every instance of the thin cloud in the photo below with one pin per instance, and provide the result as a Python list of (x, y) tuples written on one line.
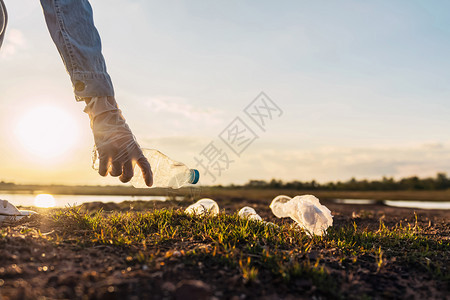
[(182, 107)]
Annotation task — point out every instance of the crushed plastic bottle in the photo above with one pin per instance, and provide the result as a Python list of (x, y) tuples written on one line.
[(278, 206), (203, 206), (305, 210), (249, 213), (166, 172), (9, 212)]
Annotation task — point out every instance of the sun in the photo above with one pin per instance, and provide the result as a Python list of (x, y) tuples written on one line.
[(44, 200), (46, 131)]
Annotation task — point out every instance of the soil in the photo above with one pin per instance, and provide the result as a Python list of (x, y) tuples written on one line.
[(32, 267)]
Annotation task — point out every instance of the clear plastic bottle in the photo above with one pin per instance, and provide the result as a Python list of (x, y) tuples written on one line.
[(203, 206), (166, 172), (248, 212)]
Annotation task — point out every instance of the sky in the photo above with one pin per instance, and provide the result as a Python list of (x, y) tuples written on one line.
[(357, 89)]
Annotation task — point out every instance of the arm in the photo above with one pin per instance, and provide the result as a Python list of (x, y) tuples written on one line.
[(71, 26)]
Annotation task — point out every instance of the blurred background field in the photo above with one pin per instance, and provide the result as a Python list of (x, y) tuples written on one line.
[(426, 193)]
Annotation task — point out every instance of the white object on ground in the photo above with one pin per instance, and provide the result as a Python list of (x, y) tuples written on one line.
[(270, 224), (249, 213), (306, 210), (279, 209), (10, 212), (202, 207), (166, 172)]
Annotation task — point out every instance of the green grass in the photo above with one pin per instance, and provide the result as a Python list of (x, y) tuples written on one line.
[(281, 253)]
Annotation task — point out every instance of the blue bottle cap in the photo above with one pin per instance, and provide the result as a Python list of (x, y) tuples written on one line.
[(195, 176)]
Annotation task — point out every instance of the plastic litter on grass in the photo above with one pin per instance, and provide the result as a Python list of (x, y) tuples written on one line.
[(9, 212), (249, 213), (203, 206), (305, 210)]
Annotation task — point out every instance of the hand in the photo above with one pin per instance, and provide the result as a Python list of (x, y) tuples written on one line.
[(117, 148)]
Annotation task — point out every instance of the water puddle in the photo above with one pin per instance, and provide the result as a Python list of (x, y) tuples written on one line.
[(399, 203), (418, 204), (47, 200), (355, 201)]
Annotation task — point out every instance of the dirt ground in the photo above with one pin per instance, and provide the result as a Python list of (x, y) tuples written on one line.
[(32, 267)]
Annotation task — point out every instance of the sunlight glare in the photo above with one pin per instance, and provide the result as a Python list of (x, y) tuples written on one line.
[(47, 131), (44, 200)]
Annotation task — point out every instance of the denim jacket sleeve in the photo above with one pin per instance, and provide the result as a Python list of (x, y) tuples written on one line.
[(71, 26)]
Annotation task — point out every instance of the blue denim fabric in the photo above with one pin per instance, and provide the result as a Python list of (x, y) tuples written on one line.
[(3, 21), (71, 26)]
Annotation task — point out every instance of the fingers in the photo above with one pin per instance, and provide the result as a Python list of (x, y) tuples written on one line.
[(116, 169), (127, 172), (146, 171), (103, 166), (118, 159)]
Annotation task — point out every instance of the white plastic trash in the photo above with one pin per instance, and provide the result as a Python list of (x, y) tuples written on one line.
[(26, 213), (249, 213), (305, 210), (10, 212), (270, 224), (166, 172), (278, 206), (202, 207)]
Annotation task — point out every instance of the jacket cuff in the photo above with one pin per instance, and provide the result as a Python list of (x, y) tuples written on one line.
[(90, 85)]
